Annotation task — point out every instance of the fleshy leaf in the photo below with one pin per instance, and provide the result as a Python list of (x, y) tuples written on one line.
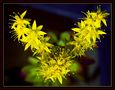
[(65, 36), (33, 60), (26, 69), (52, 79), (53, 37), (75, 67), (61, 43)]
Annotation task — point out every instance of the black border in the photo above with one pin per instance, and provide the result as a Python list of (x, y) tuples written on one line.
[(54, 1)]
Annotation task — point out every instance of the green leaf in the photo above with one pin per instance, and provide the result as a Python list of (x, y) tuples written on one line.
[(30, 77), (32, 74), (33, 61), (61, 43), (38, 78), (65, 36), (53, 38), (27, 69), (75, 67)]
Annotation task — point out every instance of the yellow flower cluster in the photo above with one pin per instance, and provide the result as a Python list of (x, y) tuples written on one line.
[(56, 66), (31, 36), (88, 31), (56, 63)]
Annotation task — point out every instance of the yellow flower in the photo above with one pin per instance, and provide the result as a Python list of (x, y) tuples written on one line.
[(95, 18), (20, 33), (88, 31), (19, 25), (84, 39), (36, 40), (56, 67)]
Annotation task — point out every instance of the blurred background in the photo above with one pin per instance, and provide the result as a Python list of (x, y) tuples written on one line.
[(56, 18)]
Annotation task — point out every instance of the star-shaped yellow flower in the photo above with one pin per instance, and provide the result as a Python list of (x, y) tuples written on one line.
[(88, 31), (56, 66), (36, 40), (19, 25)]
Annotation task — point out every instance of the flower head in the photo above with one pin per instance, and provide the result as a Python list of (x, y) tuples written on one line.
[(88, 31), (95, 18), (31, 36), (19, 25), (57, 66), (36, 40)]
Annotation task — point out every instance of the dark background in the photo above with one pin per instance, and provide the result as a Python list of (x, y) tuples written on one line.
[(57, 18)]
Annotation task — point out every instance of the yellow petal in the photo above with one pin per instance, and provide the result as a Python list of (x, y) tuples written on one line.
[(26, 46), (72, 43), (100, 32), (98, 36), (97, 24), (82, 24), (76, 29), (49, 45), (34, 25), (60, 79), (41, 33), (104, 22), (75, 38), (23, 14), (94, 38), (88, 38), (47, 49), (93, 14), (52, 79), (26, 21), (47, 38), (40, 27)]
